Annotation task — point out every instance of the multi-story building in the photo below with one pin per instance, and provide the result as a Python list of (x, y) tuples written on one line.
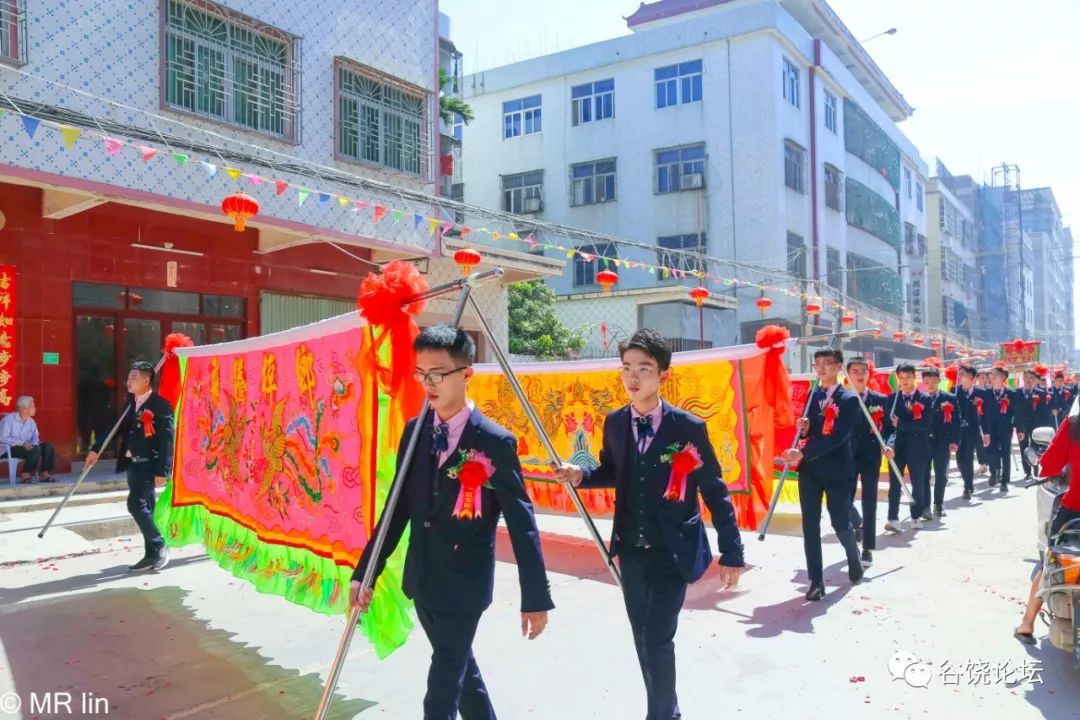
[(1052, 274), (451, 130), (119, 145), (757, 132), (952, 279)]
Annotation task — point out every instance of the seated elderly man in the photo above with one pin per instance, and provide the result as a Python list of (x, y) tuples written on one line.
[(19, 432)]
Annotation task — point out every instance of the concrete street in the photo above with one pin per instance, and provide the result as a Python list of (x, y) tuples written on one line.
[(194, 642)]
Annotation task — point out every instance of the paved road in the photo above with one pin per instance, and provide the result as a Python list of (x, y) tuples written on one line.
[(193, 642)]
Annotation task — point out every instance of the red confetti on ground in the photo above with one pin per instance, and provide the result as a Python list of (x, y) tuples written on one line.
[(856, 679)]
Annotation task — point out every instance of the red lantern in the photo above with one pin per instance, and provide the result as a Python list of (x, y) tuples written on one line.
[(467, 259), (936, 345), (898, 336), (847, 318), (763, 303), (950, 347), (699, 295), (607, 279), (240, 208), (919, 341), (877, 332), (813, 307)]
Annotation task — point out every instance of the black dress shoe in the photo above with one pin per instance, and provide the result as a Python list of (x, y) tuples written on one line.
[(816, 592), (867, 558), (147, 563), (967, 494), (855, 572)]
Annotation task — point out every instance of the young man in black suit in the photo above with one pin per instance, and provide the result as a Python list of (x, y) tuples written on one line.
[(1034, 411), (146, 453), (658, 458), (908, 407), (1060, 399), (868, 454), (464, 473), (826, 464), (1001, 419), (971, 401), (944, 438)]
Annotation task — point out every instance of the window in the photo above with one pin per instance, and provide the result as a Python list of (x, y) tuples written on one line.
[(521, 117), (869, 211), (224, 67), (909, 239), (524, 192), (907, 182), (592, 101), (833, 187), (13, 31), (680, 169), (796, 255), (864, 139), (593, 183), (834, 274), (875, 284), (794, 160), (790, 80), (687, 255), (458, 127), (919, 191), (830, 113), (587, 264), (381, 120), (678, 84)]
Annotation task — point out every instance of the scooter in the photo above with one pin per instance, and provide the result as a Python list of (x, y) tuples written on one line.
[(1060, 588)]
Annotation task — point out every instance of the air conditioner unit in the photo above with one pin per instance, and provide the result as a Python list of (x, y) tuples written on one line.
[(692, 181), (532, 205)]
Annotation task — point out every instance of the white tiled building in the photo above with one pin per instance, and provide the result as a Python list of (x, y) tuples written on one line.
[(953, 278), (760, 129)]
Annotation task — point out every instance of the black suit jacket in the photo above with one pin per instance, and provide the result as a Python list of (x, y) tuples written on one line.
[(680, 522), (944, 426), (998, 423), (911, 435), (831, 455), (450, 562), (157, 448), (863, 441), (1033, 410)]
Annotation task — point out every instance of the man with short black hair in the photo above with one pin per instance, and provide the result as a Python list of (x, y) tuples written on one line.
[(19, 431), (944, 438), (1033, 411), (867, 455), (971, 402), (911, 441), (1000, 420)]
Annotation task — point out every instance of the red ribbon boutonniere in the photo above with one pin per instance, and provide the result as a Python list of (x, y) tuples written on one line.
[(684, 460), (472, 473), (947, 410), (878, 414), (147, 418), (978, 406), (916, 411), (830, 419), (1068, 395), (1035, 401), (1003, 405)]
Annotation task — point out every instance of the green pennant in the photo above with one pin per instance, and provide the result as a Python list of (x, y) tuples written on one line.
[(181, 158)]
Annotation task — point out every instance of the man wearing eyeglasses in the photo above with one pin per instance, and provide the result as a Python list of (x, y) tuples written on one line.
[(827, 465), (465, 473)]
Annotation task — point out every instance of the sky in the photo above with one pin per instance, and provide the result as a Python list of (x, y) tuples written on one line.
[(992, 81)]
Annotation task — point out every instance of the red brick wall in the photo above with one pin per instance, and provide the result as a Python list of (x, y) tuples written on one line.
[(95, 246)]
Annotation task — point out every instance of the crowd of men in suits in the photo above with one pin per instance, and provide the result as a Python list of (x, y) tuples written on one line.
[(919, 430)]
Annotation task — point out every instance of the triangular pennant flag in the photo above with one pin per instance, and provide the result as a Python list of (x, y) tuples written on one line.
[(70, 135), (432, 223), (446, 227), (360, 205), (254, 179), (30, 124), (343, 201), (280, 186), (548, 247), (465, 230), (396, 214), (380, 211), (234, 173), (570, 254), (514, 236), (607, 261), (209, 167), (323, 199), (301, 196), (112, 146), (417, 218), (496, 235), (147, 153), (2, 114), (180, 158), (529, 239)]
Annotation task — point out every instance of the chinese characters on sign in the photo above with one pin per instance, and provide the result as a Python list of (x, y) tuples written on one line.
[(7, 338), (1020, 352)]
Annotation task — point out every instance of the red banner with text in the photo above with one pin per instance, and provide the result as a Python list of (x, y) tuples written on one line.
[(8, 391)]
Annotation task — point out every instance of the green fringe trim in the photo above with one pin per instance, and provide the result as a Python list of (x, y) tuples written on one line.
[(295, 574)]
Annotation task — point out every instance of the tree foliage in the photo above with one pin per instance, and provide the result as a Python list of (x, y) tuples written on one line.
[(535, 328)]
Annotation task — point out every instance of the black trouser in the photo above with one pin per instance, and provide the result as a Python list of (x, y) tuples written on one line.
[(654, 590), (39, 458), (867, 474), (454, 682), (140, 503), (939, 466), (911, 453), (837, 492), (1025, 443), (1000, 453), (970, 446)]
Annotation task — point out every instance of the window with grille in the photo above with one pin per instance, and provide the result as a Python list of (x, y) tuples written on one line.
[(593, 183), (678, 84), (796, 255), (220, 66), (794, 166), (907, 182), (680, 168), (522, 117), (790, 80), (830, 113), (833, 188), (909, 239), (592, 101), (523, 192), (587, 263), (381, 121), (681, 252), (834, 274), (13, 31), (919, 192)]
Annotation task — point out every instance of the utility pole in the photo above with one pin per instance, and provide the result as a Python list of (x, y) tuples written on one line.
[(1007, 173)]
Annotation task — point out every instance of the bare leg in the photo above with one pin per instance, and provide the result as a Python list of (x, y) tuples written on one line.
[(1034, 605)]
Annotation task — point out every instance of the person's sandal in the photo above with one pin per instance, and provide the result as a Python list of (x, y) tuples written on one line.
[(49, 478), (1026, 638), (28, 480)]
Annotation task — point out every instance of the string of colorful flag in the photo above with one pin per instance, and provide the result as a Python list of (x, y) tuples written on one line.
[(379, 211)]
